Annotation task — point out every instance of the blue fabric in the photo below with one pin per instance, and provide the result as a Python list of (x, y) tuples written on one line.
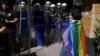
[(39, 27), (67, 38), (39, 36), (71, 40), (38, 18), (64, 24), (52, 21), (24, 20)]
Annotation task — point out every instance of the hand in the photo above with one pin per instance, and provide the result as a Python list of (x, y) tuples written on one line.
[(6, 21), (3, 29)]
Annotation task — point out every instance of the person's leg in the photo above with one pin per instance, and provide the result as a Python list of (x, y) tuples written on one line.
[(12, 40), (1, 45), (7, 47), (24, 40), (38, 39), (4, 45)]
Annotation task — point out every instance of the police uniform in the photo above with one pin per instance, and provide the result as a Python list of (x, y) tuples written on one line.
[(52, 21), (52, 28), (11, 29), (4, 45), (47, 26)]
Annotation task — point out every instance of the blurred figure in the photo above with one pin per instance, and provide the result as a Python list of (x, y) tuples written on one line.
[(10, 19), (52, 25), (39, 26), (52, 16), (64, 13), (58, 7), (47, 17), (77, 11), (47, 5), (58, 17), (47, 12), (74, 39), (64, 25), (23, 26), (58, 11), (4, 42), (78, 6)]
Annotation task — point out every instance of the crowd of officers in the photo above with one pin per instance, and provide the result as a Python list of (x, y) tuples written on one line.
[(46, 21)]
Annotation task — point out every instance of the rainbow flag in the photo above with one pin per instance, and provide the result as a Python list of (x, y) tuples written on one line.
[(74, 39)]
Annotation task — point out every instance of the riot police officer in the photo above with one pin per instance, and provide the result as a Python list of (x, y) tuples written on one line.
[(64, 12), (10, 20), (47, 17), (58, 8), (39, 26), (52, 25), (23, 24), (47, 5)]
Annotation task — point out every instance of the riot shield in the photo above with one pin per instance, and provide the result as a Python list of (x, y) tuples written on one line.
[(24, 31)]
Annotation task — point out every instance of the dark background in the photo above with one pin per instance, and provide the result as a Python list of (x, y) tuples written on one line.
[(42, 2)]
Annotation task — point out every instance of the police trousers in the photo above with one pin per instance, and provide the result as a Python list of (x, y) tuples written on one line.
[(4, 45)]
